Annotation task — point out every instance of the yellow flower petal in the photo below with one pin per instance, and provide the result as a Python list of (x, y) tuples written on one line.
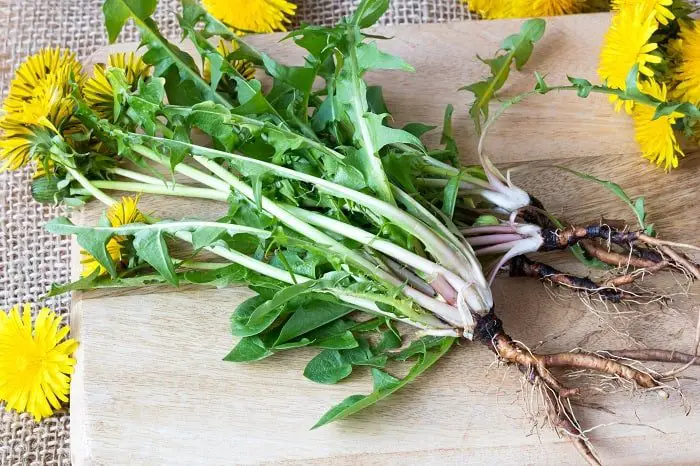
[(627, 44), (125, 212), (657, 7), (38, 100)]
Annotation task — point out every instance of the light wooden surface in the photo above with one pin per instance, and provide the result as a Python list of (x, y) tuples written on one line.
[(150, 386)]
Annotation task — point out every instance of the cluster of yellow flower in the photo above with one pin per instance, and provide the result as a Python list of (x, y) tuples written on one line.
[(39, 103), (35, 362), (666, 51)]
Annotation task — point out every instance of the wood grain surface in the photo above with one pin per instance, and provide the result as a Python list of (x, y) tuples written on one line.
[(150, 386)]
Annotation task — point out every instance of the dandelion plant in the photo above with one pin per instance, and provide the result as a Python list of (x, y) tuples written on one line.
[(357, 239)]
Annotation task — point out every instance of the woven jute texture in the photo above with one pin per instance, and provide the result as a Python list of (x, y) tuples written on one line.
[(30, 258)]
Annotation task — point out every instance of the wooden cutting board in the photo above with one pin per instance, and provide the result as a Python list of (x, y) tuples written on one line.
[(150, 386)]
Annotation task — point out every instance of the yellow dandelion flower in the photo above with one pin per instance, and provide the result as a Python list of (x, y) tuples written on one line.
[(244, 67), (125, 212), (495, 9), (656, 137), (97, 91), (121, 213), (39, 96), (627, 44), (35, 361), (252, 15), (34, 72), (49, 106), (660, 8), (687, 72)]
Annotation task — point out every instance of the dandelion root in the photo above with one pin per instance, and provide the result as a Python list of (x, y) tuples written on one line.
[(521, 266), (536, 367), (655, 355)]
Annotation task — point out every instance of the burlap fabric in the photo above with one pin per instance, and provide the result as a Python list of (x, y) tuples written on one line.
[(30, 258)]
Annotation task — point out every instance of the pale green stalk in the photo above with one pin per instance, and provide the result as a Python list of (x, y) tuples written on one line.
[(133, 228), (386, 247), (445, 311), (165, 189)]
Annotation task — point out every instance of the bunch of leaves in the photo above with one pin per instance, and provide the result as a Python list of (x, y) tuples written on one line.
[(327, 149)]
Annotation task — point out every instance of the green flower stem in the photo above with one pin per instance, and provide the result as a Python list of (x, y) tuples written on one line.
[(248, 262), (84, 182), (435, 244), (400, 254), (138, 176), (478, 296), (164, 188), (644, 99), (198, 265), (133, 228), (190, 172), (408, 201)]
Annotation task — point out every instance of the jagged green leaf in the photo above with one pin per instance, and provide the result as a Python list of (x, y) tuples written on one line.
[(118, 12), (517, 48), (151, 247), (91, 240)]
